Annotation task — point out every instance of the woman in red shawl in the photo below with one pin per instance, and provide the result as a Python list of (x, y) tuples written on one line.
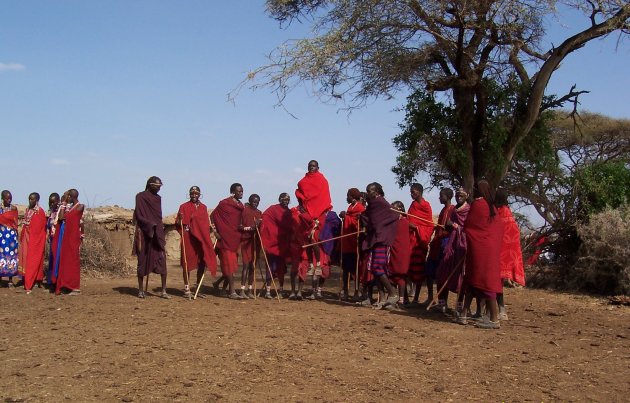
[(150, 241), (484, 236), (349, 244), (313, 194), (33, 243), (421, 221), (512, 268), (197, 250), (8, 237), (71, 213), (275, 233), (226, 221)]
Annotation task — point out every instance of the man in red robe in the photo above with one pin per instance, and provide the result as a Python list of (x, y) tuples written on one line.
[(421, 221), (197, 250), (250, 245), (512, 267), (33, 243), (149, 241), (275, 233), (313, 194), (440, 236), (226, 221), (302, 225), (349, 244), (484, 237), (71, 213), (400, 253)]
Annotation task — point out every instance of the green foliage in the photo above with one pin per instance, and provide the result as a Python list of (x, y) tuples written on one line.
[(601, 185)]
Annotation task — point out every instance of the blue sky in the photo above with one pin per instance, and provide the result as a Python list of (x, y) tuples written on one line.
[(103, 94)]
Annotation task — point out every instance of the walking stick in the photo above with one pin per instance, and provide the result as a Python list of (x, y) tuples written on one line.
[(341, 260), (418, 218), (203, 274), (262, 247), (435, 298), (332, 239), (254, 264), (181, 225)]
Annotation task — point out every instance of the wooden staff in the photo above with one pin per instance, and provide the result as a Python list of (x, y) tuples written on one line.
[(267, 262), (181, 225), (254, 264), (435, 298), (203, 274), (341, 260), (418, 218), (331, 239)]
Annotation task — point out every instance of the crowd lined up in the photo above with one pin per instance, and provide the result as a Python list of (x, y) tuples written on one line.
[(380, 246)]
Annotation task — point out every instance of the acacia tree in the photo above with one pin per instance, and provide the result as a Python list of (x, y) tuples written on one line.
[(365, 49)]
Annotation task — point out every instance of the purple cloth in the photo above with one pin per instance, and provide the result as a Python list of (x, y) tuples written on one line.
[(149, 240), (454, 251), (381, 223), (331, 229)]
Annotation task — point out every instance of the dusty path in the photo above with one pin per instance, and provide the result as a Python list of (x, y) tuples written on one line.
[(108, 345)]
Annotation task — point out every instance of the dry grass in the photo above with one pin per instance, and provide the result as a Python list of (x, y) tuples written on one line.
[(99, 257)]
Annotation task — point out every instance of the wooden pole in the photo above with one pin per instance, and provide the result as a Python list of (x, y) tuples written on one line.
[(435, 298), (331, 239), (356, 269), (262, 247), (203, 275), (418, 218), (181, 225), (254, 264)]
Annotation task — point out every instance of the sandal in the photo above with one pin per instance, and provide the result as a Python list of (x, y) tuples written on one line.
[(74, 292), (141, 294), (461, 320), (165, 296), (488, 324)]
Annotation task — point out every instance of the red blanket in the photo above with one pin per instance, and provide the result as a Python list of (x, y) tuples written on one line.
[(31, 252), (400, 252), (314, 194), (9, 219), (484, 236), (511, 255), (69, 260), (275, 230), (420, 238), (227, 217), (250, 244), (350, 225), (197, 242)]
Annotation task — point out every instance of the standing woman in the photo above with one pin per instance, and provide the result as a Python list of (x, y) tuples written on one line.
[(71, 214), (197, 252), (33, 243), (484, 236), (9, 240), (52, 230)]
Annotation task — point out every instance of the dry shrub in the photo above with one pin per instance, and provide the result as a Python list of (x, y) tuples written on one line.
[(99, 257), (604, 262)]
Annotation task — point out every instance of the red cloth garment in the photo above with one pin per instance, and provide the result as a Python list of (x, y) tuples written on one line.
[(380, 223), (350, 225), (420, 238), (9, 219), (511, 256), (484, 237), (32, 245), (439, 233), (302, 224), (250, 244), (454, 252), (198, 245), (229, 262), (276, 230), (149, 240), (69, 275), (400, 253), (53, 237), (227, 218), (313, 193)]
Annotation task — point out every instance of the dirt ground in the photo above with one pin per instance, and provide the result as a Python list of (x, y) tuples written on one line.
[(108, 345)]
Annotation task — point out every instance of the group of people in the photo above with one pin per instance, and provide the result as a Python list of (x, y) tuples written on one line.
[(472, 248), (22, 252), (470, 251)]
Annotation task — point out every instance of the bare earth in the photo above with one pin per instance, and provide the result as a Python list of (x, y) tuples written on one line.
[(108, 345)]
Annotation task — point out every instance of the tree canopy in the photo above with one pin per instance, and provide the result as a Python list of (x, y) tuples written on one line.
[(467, 51)]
